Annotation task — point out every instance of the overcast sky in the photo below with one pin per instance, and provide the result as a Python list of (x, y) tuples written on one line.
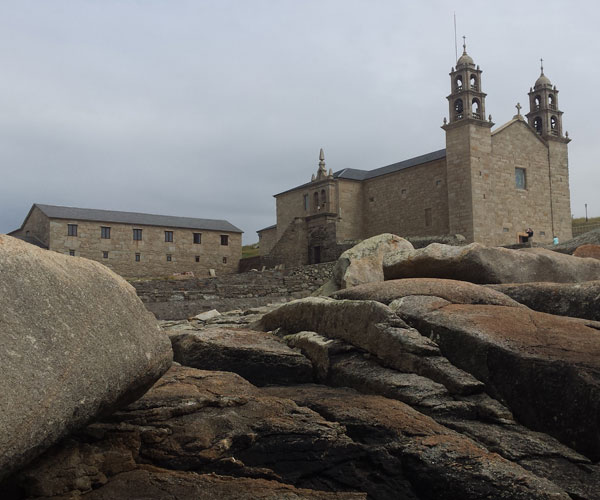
[(208, 108)]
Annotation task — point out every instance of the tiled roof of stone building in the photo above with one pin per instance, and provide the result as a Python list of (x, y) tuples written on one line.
[(90, 214), (355, 174), (361, 175)]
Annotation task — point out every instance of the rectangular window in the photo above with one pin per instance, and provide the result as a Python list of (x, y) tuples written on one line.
[(224, 260), (224, 240), (72, 253), (197, 258), (138, 257), (105, 232), (427, 217), (169, 236), (305, 202), (105, 255), (197, 238), (168, 257), (71, 229), (137, 234), (520, 178)]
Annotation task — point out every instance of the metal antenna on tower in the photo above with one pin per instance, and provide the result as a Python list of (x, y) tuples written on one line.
[(455, 43)]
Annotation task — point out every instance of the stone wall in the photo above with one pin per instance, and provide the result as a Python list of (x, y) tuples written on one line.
[(36, 225), (152, 248), (182, 298), (397, 203)]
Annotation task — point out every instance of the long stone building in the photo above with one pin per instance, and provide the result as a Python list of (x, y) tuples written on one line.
[(135, 244), (487, 185)]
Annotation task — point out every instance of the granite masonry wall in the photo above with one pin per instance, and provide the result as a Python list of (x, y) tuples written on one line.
[(183, 298)]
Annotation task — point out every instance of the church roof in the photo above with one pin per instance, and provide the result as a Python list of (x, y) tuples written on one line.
[(362, 175), (89, 214), (355, 174)]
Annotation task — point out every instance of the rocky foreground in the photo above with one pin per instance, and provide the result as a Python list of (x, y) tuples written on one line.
[(411, 388)]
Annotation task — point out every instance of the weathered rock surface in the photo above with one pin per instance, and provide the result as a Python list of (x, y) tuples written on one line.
[(578, 300), (373, 327), (479, 264), (76, 343), (590, 251), (211, 422), (457, 292), (438, 462), (261, 358), (151, 483), (546, 368)]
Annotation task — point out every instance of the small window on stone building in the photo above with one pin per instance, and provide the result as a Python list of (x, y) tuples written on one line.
[(372, 198), (224, 240), (520, 178), (537, 125), (473, 82), (168, 257), (197, 258), (316, 200), (537, 101), (71, 229), (458, 84), (137, 234), (138, 257), (105, 255), (169, 236), (72, 253), (438, 183), (224, 260), (105, 232), (542, 233), (427, 217), (305, 200), (197, 238), (505, 230), (323, 198), (403, 193)]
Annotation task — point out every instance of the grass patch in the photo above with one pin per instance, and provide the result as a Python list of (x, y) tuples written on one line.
[(250, 251)]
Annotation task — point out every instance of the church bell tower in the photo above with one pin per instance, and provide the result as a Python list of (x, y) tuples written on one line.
[(544, 116), (468, 151)]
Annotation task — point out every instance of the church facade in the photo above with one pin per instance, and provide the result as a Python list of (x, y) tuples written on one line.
[(487, 185)]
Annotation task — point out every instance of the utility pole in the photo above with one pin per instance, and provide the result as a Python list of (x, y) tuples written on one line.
[(586, 217)]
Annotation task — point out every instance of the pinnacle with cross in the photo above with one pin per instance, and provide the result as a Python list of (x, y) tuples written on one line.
[(542, 65), (518, 106), (464, 44)]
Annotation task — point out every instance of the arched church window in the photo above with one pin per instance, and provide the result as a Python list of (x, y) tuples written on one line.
[(473, 82), (458, 108), (537, 125), (537, 101), (458, 83), (475, 109), (323, 198), (554, 125), (551, 102), (316, 198)]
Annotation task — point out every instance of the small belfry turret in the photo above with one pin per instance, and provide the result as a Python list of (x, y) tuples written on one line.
[(544, 116), (322, 172), (466, 100)]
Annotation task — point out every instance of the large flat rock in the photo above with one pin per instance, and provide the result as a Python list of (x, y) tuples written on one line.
[(457, 292), (261, 358), (480, 264), (545, 367), (76, 343), (578, 300)]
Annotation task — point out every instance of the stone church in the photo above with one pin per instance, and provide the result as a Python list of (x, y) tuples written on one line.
[(487, 185)]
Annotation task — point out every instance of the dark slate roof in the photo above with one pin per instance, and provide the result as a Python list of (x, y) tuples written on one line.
[(73, 213), (265, 228), (29, 239), (355, 174), (361, 175)]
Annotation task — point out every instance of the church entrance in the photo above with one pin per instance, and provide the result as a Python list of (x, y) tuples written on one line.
[(316, 255)]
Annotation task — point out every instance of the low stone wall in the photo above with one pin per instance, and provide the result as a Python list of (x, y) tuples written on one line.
[(182, 298)]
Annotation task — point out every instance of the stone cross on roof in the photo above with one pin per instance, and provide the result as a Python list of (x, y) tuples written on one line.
[(518, 106)]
